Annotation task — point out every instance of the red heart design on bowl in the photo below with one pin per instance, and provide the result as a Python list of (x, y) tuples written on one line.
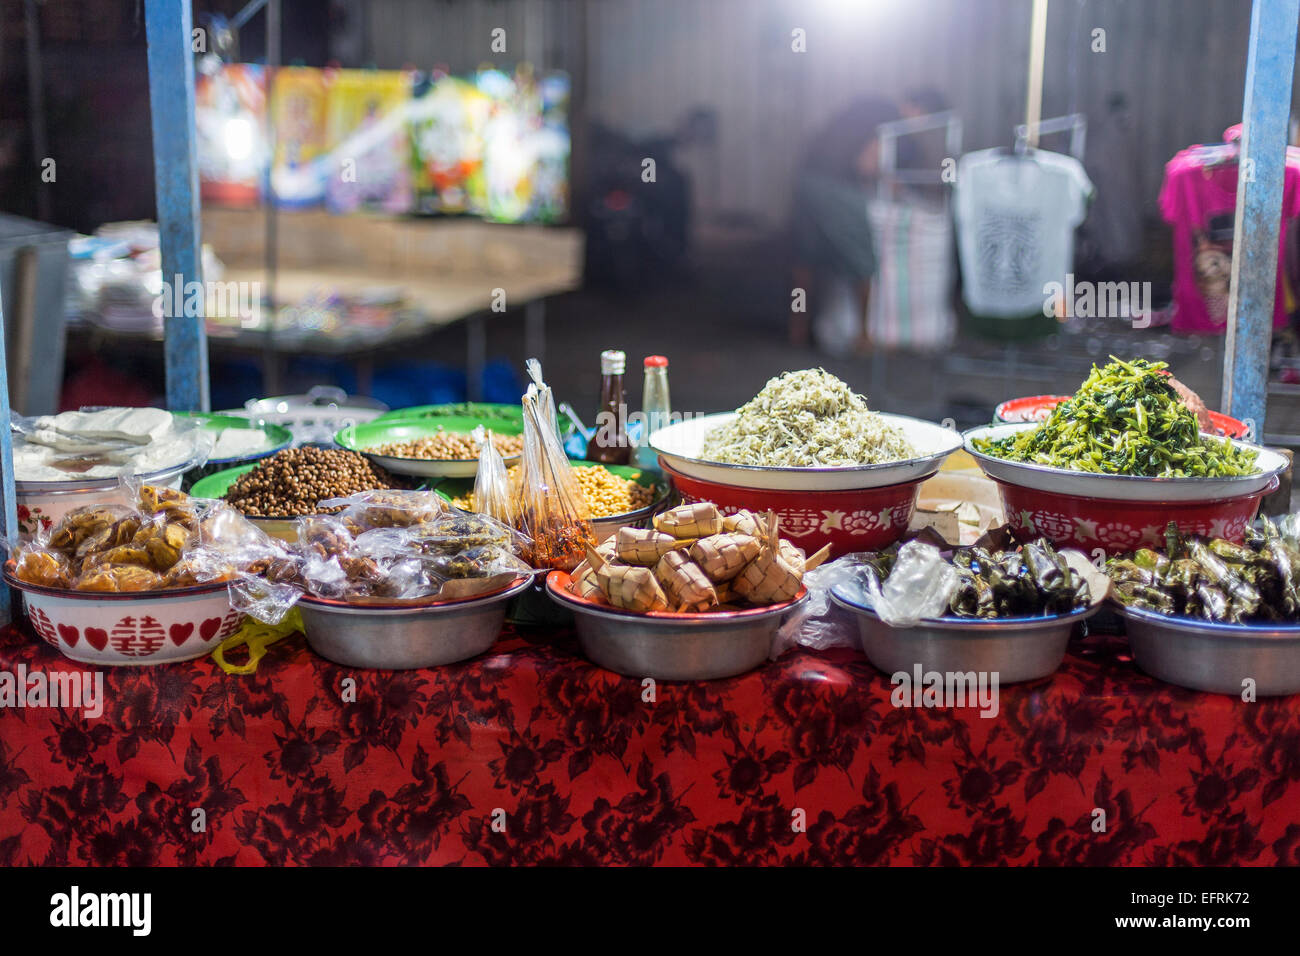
[(97, 638), (179, 633), (70, 634), (208, 629)]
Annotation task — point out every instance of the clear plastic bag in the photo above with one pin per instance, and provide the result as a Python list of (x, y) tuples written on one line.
[(448, 555), (920, 586), (386, 509), (177, 441), (553, 512), (819, 622), (493, 495)]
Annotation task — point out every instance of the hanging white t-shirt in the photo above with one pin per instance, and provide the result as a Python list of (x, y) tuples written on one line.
[(1016, 217)]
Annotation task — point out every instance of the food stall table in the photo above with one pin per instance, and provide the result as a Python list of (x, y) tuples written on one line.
[(529, 754)]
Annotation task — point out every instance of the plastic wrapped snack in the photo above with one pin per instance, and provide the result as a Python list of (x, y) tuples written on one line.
[(553, 512), (36, 564), (385, 508), (493, 495), (446, 555), (168, 541)]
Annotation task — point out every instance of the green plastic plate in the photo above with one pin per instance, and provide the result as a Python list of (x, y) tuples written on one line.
[(360, 438)]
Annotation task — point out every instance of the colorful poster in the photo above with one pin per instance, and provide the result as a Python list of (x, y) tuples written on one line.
[(367, 141), (299, 96), (447, 128), (230, 124)]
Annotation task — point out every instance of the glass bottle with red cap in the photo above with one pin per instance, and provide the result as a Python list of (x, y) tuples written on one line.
[(609, 444), (656, 408)]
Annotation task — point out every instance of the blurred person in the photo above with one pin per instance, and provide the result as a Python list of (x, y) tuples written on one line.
[(830, 225), (927, 150)]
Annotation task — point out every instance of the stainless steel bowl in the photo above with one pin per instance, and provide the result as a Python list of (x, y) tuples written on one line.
[(392, 637), (1016, 648), (704, 646), (1216, 657)]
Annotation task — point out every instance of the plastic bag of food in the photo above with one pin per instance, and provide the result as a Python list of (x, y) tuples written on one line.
[(262, 600), (101, 442), (553, 512), (35, 563), (458, 530), (921, 585), (385, 508), (455, 555), (493, 495), (819, 622)]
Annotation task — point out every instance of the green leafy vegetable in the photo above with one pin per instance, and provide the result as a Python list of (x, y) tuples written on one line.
[(1125, 419)]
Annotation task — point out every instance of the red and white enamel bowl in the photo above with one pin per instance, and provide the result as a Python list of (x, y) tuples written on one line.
[(132, 628), (1038, 408), (863, 519), (669, 645), (1118, 513)]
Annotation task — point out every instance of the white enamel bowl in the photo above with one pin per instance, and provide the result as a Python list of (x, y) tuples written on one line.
[(133, 629), (680, 445), (1064, 481)]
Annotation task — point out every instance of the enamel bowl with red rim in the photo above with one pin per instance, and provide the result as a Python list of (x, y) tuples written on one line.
[(131, 628), (680, 446), (864, 519), (1038, 408), (403, 635), (1118, 513), (42, 504), (668, 645)]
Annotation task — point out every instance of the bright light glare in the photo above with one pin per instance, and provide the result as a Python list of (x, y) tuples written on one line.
[(238, 136)]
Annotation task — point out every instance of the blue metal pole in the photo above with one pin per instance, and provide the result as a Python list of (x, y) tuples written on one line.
[(1266, 114), (169, 26), (8, 500)]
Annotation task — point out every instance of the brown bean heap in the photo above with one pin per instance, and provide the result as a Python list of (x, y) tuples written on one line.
[(292, 482), (445, 446)]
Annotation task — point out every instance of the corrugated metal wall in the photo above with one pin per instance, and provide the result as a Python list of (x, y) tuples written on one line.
[(1180, 63)]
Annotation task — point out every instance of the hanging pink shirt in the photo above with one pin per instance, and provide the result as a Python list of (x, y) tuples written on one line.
[(1199, 199)]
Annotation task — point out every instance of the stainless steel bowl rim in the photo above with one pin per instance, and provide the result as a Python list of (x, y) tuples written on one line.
[(75, 487), (397, 610), (1194, 625), (974, 624), (686, 619)]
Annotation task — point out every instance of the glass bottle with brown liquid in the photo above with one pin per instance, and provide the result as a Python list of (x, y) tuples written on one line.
[(609, 444)]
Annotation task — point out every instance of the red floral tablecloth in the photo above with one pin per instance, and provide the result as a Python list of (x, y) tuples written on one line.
[(531, 755)]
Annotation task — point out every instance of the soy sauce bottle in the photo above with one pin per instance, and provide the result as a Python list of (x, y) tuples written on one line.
[(609, 444)]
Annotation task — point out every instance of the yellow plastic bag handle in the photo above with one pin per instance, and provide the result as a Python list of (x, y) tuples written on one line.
[(258, 637)]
